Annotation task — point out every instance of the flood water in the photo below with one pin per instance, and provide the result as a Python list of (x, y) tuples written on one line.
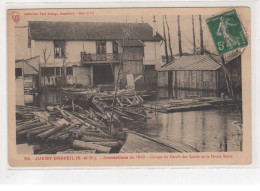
[(206, 130)]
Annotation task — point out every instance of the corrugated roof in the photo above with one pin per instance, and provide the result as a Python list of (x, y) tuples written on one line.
[(43, 30), (131, 43), (192, 62)]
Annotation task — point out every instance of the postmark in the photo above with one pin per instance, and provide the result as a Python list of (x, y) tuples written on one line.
[(227, 32)]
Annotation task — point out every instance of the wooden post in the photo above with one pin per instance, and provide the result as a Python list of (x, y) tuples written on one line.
[(201, 37), (169, 38), (165, 42), (193, 34), (179, 35)]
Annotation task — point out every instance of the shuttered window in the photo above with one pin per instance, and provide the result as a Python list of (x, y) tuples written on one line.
[(69, 71), (101, 47), (18, 72), (59, 48)]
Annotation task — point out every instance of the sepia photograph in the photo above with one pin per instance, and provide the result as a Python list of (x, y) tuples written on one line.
[(93, 84)]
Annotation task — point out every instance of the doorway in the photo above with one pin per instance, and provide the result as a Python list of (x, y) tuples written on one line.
[(102, 74)]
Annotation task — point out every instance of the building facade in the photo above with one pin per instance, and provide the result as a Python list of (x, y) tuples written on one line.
[(90, 54)]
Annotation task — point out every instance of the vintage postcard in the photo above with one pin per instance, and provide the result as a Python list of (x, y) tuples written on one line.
[(129, 87)]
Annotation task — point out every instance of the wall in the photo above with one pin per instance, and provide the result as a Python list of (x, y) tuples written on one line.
[(73, 49), (19, 88), (21, 43), (152, 54), (199, 80), (133, 60), (82, 75), (162, 79)]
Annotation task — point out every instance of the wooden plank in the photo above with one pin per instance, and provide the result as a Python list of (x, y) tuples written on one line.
[(138, 144)]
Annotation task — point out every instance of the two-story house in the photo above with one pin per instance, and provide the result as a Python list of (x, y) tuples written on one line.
[(89, 53)]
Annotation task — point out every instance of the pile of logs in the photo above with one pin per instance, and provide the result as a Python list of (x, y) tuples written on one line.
[(86, 125)]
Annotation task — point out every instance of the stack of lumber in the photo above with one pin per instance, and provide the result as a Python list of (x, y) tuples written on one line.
[(70, 130), (89, 124)]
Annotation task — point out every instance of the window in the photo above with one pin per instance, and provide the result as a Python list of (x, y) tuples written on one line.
[(48, 71), (57, 71), (101, 47), (62, 71), (28, 85), (59, 48), (149, 67), (18, 72), (69, 71)]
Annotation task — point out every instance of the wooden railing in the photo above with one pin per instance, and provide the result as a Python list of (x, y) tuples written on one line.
[(91, 58)]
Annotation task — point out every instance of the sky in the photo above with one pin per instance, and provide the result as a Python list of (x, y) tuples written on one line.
[(22, 52)]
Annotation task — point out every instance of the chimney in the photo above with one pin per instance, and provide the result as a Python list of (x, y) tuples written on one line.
[(154, 26)]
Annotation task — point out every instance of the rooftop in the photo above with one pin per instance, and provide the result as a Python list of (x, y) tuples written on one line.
[(43, 30), (192, 62)]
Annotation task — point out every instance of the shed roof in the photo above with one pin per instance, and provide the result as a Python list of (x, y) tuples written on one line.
[(131, 43), (44, 30), (192, 62), (30, 66)]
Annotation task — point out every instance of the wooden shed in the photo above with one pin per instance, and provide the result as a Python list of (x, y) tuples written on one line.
[(197, 72)]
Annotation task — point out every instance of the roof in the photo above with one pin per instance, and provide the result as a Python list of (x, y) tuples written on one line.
[(192, 62), (30, 66), (44, 30), (131, 43)]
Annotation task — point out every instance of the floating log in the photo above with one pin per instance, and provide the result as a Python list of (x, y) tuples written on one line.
[(32, 134), (50, 132), (108, 143), (95, 134), (53, 149), (30, 126), (85, 145), (95, 139), (66, 138), (24, 132), (30, 122)]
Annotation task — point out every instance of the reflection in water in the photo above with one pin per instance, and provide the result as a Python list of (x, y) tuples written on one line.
[(44, 98), (210, 130)]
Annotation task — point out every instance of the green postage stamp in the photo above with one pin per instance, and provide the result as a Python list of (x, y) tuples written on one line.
[(227, 32)]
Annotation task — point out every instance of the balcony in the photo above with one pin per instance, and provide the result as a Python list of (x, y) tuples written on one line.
[(87, 58)]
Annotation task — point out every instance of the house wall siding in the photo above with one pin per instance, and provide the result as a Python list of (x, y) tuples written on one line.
[(133, 60), (152, 54), (82, 75), (162, 79), (199, 80)]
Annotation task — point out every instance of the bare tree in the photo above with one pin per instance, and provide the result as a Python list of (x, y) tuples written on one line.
[(45, 58), (228, 79), (63, 78), (169, 38), (125, 37), (165, 42)]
